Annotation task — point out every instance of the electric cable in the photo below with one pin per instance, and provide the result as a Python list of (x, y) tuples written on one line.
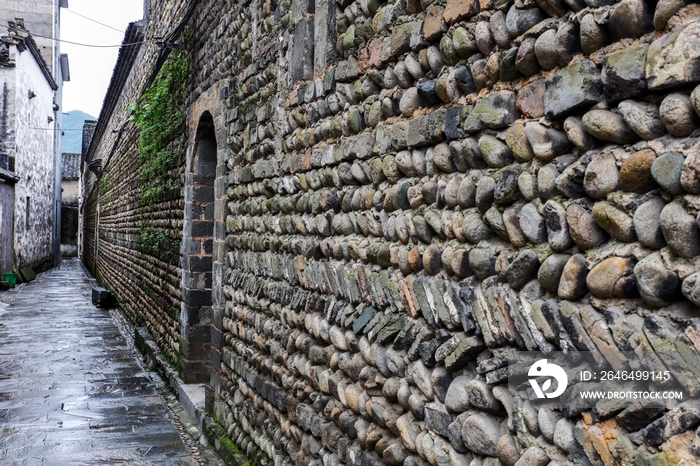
[(89, 19), (146, 41), (56, 129)]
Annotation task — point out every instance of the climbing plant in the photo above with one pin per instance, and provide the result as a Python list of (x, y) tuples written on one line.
[(160, 117), (161, 121)]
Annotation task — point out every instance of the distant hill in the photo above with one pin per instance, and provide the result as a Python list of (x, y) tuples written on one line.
[(73, 140)]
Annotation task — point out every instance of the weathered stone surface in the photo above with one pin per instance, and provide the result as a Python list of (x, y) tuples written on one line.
[(593, 35), (635, 173), (550, 273), (613, 278), (657, 285), (691, 288), (527, 184), (557, 227), (673, 58), (680, 230), (571, 87), (507, 451), (480, 433), (572, 284), (630, 18), (567, 43), (665, 9), (432, 260), (474, 229), (547, 420), (666, 171), (484, 193), (464, 42), (517, 142), (577, 134), (496, 154), (410, 102), (583, 228), (512, 223), (545, 49), (434, 24), (695, 99), (494, 218), (480, 396), (677, 115), (533, 456), (623, 73), (643, 118), (483, 262), (674, 349), (523, 269), (677, 420), (647, 223), (690, 174), (497, 24), (533, 224), (459, 9), (374, 250), (496, 110), (546, 143), (437, 419), (530, 99), (602, 176), (518, 20), (546, 181), (564, 435), (457, 398), (608, 126), (395, 454), (570, 182), (614, 221)]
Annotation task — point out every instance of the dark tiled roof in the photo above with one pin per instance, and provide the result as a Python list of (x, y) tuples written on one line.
[(71, 167)]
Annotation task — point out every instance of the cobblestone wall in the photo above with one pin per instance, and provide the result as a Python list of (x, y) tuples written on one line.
[(417, 189), (146, 284)]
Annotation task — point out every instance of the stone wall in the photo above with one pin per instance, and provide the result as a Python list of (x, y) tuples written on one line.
[(146, 284), (415, 192), (419, 188)]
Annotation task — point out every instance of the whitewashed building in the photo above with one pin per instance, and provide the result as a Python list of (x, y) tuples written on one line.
[(29, 144)]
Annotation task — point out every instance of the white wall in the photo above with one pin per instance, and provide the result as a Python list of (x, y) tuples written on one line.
[(34, 163)]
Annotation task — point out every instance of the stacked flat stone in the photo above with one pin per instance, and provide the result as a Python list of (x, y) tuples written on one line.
[(418, 189)]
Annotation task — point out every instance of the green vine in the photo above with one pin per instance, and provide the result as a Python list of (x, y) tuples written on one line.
[(161, 121), (162, 126), (153, 243)]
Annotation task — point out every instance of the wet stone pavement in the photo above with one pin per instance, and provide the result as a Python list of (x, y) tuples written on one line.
[(71, 390)]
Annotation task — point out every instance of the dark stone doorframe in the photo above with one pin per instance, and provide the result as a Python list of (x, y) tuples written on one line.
[(207, 117), (201, 251)]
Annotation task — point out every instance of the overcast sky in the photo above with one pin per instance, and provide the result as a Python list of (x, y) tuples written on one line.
[(91, 68)]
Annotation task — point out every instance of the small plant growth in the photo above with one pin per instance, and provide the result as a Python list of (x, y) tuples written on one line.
[(161, 120)]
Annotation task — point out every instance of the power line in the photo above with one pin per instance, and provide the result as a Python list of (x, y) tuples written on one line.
[(89, 19), (84, 45), (55, 129), (94, 21)]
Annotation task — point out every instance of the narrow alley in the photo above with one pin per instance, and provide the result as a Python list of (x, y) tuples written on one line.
[(71, 389)]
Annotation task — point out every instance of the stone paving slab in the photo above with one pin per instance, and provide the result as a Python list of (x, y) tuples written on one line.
[(71, 390)]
